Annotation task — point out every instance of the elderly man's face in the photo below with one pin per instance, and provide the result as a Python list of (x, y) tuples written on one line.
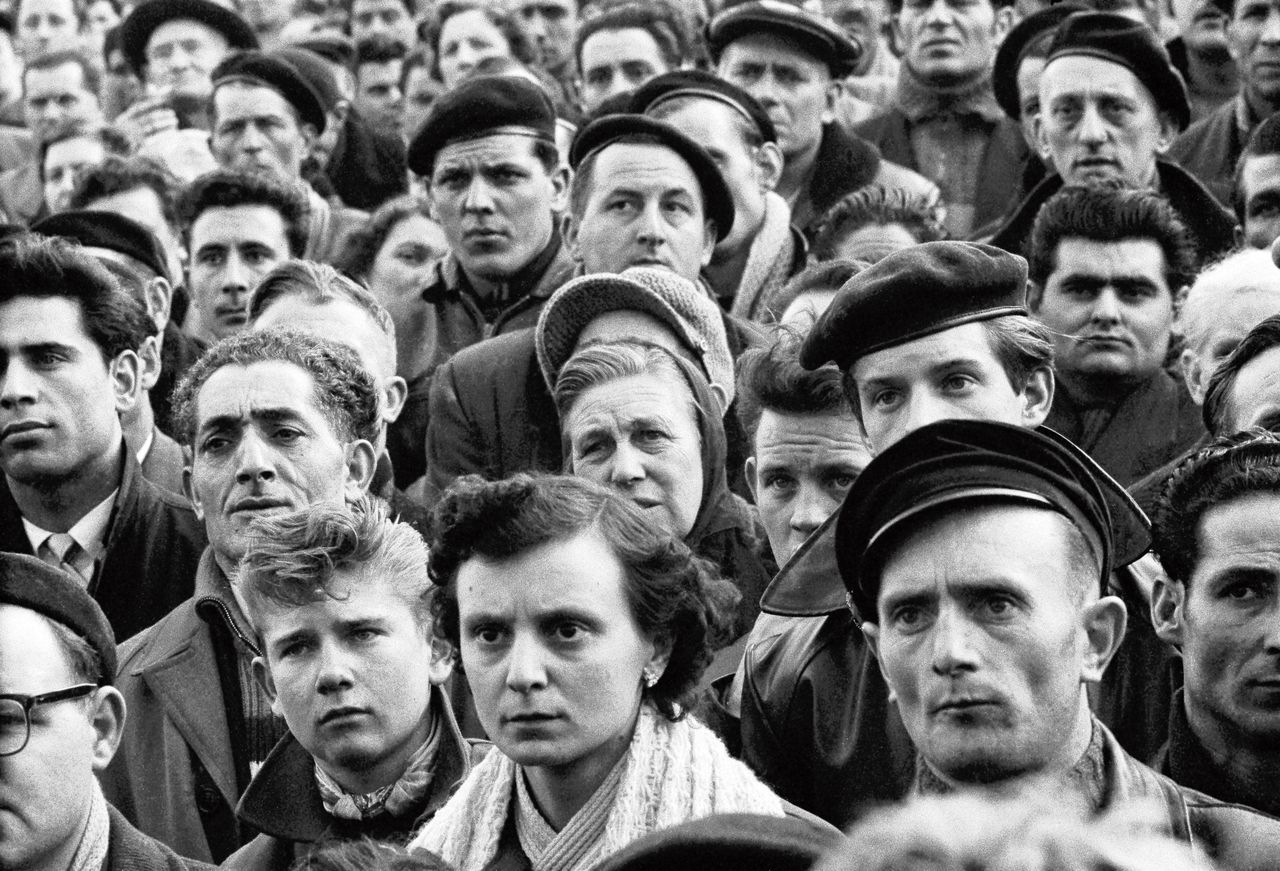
[(949, 41), (255, 129), (987, 646), (644, 208), (1253, 36), (264, 446), (56, 96), (46, 787), (1226, 622), (793, 86), (616, 61), (1098, 122), (1110, 308), (1260, 190), (1255, 396), (181, 56), (1232, 318), (495, 200)]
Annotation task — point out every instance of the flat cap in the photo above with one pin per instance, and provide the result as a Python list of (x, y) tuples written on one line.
[(706, 86), (107, 234), (136, 30), (960, 463), (1131, 44), (816, 34), (717, 202), (28, 582), (727, 842), (482, 106), (916, 292), (280, 75), (1014, 47), (689, 311)]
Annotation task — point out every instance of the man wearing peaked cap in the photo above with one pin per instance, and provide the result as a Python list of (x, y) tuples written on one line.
[(1095, 60), (60, 722), (992, 668)]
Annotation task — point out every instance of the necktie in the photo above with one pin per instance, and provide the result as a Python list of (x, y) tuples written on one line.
[(62, 551)]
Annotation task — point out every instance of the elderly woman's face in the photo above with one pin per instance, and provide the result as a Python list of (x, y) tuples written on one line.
[(639, 436), (402, 264), (466, 39), (553, 654)]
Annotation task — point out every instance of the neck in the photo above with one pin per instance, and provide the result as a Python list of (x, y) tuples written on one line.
[(1250, 764), (1212, 76), (796, 172), (560, 791), (371, 776), (1259, 106), (1100, 389), (56, 505)]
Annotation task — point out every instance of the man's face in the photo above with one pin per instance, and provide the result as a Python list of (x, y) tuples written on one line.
[(232, 248), (794, 87), (949, 41), (1110, 308), (63, 163), (1098, 122), (1260, 187), (143, 205), (347, 675), (644, 208), (983, 644), (59, 400), (1253, 37), (255, 129), (1234, 315), (46, 25), (495, 200), (46, 787), (1204, 29), (181, 57), (861, 19), (383, 18), (715, 127), (1029, 72), (420, 91), (802, 466), (1227, 624), (954, 374), (549, 26), (56, 96), (263, 446), (617, 61), (378, 94), (1255, 397)]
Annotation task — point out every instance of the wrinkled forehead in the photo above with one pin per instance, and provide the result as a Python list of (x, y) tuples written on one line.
[(1084, 77), (258, 391)]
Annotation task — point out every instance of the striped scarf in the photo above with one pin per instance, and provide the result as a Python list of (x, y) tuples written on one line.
[(671, 773)]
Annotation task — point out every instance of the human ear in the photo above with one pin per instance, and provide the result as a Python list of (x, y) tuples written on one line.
[(1037, 396), (1104, 624), (394, 394), (1168, 602), (159, 295), (149, 355), (108, 717), (262, 675), (560, 189), (749, 472), (189, 490), (1192, 371), (769, 164), (126, 381), (362, 462)]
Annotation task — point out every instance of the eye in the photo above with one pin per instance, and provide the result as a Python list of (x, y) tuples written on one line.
[(213, 444), (488, 635), (842, 480), (47, 359), (364, 633), (885, 398), (957, 383), (294, 648), (1246, 591), (568, 632), (780, 481), (287, 434), (998, 607), (907, 618)]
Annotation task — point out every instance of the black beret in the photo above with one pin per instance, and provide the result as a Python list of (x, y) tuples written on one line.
[(818, 35), (478, 107), (109, 231), (1132, 45), (960, 462), (315, 70), (916, 292), (136, 30), (727, 842), (1014, 47), (717, 202), (332, 47), (278, 74), (706, 86), (30, 583)]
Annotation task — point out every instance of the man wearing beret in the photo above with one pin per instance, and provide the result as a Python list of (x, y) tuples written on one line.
[(266, 118), (762, 249), (496, 186), (792, 61), (945, 122), (73, 493), (61, 721), (976, 557), (1210, 148), (1098, 63)]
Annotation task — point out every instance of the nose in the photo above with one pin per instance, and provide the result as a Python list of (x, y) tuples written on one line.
[(467, 56), (526, 670), (237, 278), (812, 507), (251, 139), (333, 673), (1092, 129), (535, 25), (938, 14), (1106, 307), (952, 640), (653, 226), (478, 198), (923, 408), (1271, 28), (627, 469), (253, 460), (17, 384)]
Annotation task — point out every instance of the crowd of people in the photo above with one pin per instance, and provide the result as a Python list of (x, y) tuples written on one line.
[(483, 435)]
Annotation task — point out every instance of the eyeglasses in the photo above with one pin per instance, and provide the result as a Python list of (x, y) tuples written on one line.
[(15, 714)]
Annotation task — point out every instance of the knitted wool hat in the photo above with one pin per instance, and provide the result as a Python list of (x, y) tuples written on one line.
[(683, 306)]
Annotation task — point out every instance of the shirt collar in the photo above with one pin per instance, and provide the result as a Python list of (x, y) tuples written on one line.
[(90, 531)]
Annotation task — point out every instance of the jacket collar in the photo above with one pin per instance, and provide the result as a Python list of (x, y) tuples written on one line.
[(919, 101), (452, 281), (283, 799)]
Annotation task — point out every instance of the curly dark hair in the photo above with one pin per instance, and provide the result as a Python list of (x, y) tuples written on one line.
[(345, 391), (363, 245), (1231, 467), (672, 593), (879, 206), (227, 188), (117, 175), (772, 378)]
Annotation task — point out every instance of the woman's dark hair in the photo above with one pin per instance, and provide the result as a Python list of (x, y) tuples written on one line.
[(363, 245), (673, 594)]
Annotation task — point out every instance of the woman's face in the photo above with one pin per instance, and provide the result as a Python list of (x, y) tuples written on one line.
[(553, 654), (639, 435), (402, 264), (466, 39)]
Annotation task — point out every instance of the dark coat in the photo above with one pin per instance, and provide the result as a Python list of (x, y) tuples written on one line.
[(1209, 149), (1154, 424), (1213, 226), (130, 850), (1002, 163), (283, 802), (178, 354), (154, 543), (367, 166)]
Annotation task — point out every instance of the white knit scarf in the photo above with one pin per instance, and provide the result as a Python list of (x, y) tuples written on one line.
[(91, 852), (768, 263), (397, 799), (673, 773)]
